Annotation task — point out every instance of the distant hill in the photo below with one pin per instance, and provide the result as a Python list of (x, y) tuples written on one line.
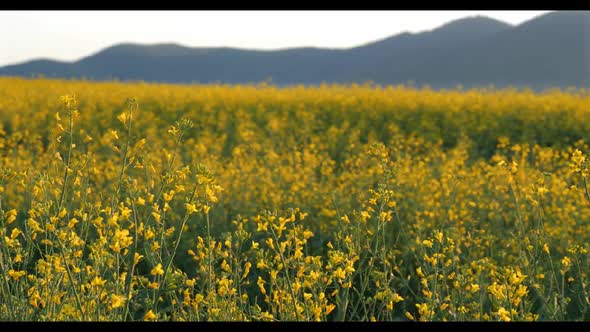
[(551, 50)]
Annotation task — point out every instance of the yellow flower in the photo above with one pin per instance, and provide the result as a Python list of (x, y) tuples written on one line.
[(158, 270), (514, 167), (246, 270), (15, 233), (260, 284), (339, 273), (504, 315), (149, 234), (423, 310), (199, 298), (385, 216), (98, 282), (419, 272), (124, 117), (517, 277), (16, 274), (266, 316), (117, 301), (125, 213), (150, 316), (155, 246), (439, 237), (365, 215), (10, 216), (225, 266), (329, 308), (137, 258), (566, 262), (156, 216), (521, 291), (497, 290), (190, 208), (542, 190)]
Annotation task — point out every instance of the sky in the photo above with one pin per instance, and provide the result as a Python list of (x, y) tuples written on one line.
[(71, 35)]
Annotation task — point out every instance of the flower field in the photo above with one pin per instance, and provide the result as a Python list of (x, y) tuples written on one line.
[(136, 201)]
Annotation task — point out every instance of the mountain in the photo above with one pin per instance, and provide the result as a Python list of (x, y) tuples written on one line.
[(548, 51)]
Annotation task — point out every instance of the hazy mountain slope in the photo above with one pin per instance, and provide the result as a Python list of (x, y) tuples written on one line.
[(550, 50)]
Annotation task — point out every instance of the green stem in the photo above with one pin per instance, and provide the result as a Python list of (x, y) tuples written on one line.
[(68, 160), (185, 219), (278, 250)]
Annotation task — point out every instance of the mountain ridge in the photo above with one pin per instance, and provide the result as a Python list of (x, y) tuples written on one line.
[(550, 50)]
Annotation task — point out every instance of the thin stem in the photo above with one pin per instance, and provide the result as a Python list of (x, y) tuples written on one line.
[(586, 189), (286, 273), (70, 276), (209, 250), (132, 269), (5, 279), (124, 163), (68, 160), (185, 219)]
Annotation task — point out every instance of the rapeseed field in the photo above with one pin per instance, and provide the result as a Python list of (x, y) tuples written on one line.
[(136, 201)]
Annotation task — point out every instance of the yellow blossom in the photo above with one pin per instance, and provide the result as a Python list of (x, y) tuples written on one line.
[(157, 270), (150, 315)]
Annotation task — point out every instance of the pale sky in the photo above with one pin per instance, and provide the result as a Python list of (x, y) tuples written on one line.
[(70, 35)]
